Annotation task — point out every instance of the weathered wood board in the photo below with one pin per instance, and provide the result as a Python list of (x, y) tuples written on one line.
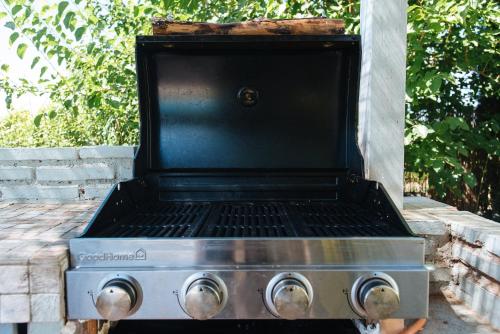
[(307, 26)]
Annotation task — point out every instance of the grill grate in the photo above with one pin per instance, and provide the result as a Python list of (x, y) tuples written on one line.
[(251, 220), (160, 220), (343, 221)]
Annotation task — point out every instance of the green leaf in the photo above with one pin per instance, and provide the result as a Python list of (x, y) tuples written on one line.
[(436, 84), (43, 70), (99, 61), (13, 37), (79, 33), (90, 47), (10, 25), (37, 119), (457, 123), (21, 49), (67, 19), (2, 15), (35, 61), (470, 180), (68, 103), (61, 7), (16, 9), (52, 114), (113, 103), (437, 165), (4, 67)]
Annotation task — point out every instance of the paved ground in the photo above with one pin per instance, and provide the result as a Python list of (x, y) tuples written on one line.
[(448, 315)]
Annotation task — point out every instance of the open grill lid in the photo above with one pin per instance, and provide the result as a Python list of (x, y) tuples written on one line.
[(259, 103)]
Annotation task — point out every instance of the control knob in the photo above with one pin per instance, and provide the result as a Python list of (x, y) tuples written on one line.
[(204, 296), (116, 299), (378, 298), (289, 296)]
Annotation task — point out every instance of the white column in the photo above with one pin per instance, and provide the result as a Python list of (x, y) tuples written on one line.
[(382, 93)]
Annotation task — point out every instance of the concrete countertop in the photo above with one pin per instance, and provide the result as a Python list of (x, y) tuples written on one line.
[(34, 255)]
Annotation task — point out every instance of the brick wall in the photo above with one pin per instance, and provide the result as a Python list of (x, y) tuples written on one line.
[(63, 173)]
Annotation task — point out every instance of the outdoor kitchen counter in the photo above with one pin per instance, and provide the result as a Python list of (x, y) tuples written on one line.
[(33, 257), (463, 247)]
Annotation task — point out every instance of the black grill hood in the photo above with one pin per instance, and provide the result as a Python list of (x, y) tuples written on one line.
[(248, 103)]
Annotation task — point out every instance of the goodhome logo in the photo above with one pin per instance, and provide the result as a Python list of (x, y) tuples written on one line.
[(139, 254)]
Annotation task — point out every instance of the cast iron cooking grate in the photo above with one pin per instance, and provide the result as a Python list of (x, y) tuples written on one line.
[(331, 219), (251, 220), (160, 220)]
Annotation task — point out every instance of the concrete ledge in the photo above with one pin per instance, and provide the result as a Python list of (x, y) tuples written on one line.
[(16, 173), (99, 152), (61, 153), (97, 171), (97, 191), (37, 191)]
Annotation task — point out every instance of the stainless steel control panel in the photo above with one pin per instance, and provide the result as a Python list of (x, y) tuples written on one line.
[(248, 293)]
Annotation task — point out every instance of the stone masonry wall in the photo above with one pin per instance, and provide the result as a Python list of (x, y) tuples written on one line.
[(63, 173), (464, 250)]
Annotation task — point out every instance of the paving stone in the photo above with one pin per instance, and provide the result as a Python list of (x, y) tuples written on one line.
[(46, 279), (124, 170), (50, 328), (14, 308), (40, 153), (96, 191), (16, 173), (98, 171), (485, 262), (47, 307), (423, 203), (428, 228), (9, 192), (13, 279), (106, 152)]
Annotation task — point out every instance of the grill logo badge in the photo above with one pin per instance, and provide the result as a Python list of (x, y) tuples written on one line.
[(139, 255)]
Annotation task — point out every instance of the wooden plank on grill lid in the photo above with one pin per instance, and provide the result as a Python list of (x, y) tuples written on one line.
[(306, 26)]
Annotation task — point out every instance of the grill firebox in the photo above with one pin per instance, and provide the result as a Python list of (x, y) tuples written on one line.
[(251, 220)]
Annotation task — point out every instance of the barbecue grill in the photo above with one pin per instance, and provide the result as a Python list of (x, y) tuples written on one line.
[(248, 199)]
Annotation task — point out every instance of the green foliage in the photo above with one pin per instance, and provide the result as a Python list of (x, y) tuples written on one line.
[(453, 124), (20, 129), (85, 53)]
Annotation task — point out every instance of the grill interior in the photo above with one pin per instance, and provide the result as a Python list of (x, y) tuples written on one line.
[(251, 220)]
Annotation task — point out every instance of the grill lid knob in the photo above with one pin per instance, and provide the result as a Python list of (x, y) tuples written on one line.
[(116, 299), (378, 298), (203, 299), (290, 298)]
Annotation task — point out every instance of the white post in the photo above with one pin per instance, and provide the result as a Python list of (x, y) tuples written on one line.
[(382, 93)]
